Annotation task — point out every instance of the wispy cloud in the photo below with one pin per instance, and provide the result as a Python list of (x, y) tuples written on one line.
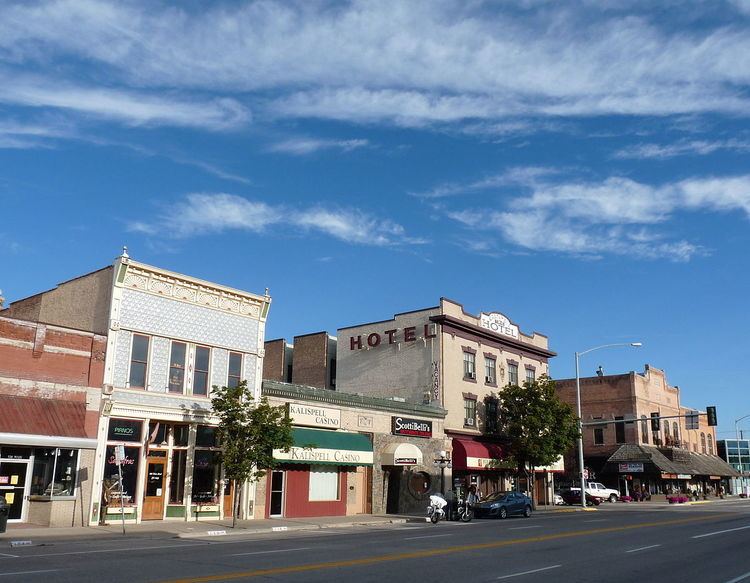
[(519, 175), (39, 134), (408, 63), (304, 146), (201, 213), (615, 216), (681, 148)]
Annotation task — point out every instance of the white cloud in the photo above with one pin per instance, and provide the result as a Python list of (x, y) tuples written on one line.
[(681, 148), (408, 63), (201, 213), (614, 216), (519, 175), (304, 146)]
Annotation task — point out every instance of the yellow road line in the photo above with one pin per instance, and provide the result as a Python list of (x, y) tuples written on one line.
[(433, 552)]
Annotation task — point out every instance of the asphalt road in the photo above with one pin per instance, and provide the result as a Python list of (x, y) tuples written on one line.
[(706, 544)]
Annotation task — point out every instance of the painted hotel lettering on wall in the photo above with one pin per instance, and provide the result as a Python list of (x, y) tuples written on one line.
[(411, 427), (375, 339)]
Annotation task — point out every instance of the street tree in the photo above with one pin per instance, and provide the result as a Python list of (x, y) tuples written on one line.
[(538, 426), (248, 433)]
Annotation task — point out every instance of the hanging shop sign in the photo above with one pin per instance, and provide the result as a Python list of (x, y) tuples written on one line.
[(631, 467), (124, 430), (311, 416), (411, 427), (684, 477), (405, 461)]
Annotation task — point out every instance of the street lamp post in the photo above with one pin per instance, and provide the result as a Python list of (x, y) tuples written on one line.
[(580, 416), (442, 461), (739, 450)]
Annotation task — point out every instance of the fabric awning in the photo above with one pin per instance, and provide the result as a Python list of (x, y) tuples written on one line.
[(401, 454), (319, 446), (469, 454)]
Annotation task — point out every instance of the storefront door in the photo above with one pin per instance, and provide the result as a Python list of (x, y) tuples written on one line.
[(153, 500), (228, 498), (13, 487), (276, 507)]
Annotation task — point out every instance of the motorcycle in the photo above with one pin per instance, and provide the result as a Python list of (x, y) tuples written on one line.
[(465, 511), (436, 509)]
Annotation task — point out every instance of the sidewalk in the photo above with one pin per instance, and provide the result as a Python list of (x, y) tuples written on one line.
[(204, 528)]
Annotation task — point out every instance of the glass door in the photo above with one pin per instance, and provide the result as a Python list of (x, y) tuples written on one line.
[(276, 508), (13, 487), (153, 499)]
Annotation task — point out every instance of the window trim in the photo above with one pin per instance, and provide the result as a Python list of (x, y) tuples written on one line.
[(469, 399), (229, 370), (184, 368), (470, 372), (207, 371), (147, 363), (490, 379)]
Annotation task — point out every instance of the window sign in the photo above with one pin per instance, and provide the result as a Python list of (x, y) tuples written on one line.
[(129, 468), (124, 430)]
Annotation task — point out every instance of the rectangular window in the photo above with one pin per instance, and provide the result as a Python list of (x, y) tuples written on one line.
[(644, 429), (205, 436), (200, 375), (235, 369), (180, 433), (177, 477), (470, 365), (530, 375), (512, 374), (205, 476), (490, 415), (490, 366), (129, 468), (177, 367), (599, 436), (619, 430), (470, 412), (139, 361), (62, 463), (324, 484)]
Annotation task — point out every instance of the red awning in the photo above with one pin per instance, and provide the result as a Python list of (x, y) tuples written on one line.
[(34, 416), (471, 454)]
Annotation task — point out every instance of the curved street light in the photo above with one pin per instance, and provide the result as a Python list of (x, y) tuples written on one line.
[(580, 416)]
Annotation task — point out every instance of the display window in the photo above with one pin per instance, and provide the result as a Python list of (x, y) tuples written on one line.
[(54, 472), (111, 484)]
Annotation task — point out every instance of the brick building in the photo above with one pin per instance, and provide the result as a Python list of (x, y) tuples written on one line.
[(50, 393), (633, 454), (310, 360)]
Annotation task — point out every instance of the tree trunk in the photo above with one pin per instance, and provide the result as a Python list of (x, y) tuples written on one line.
[(533, 488), (235, 503)]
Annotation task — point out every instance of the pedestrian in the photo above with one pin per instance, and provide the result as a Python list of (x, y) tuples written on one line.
[(472, 497)]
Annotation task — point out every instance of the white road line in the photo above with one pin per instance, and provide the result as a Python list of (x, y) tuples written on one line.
[(523, 527), (740, 578), (721, 532), (529, 572), (29, 572), (597, 520), (426, 536), (642, 548), (269, 552), (7, 555), (120, 550)]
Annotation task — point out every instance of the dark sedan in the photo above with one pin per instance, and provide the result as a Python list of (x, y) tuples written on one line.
[(573, 497), (503, 504)]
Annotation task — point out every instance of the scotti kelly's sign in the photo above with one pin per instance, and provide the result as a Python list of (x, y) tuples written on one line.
[(406, 334), (496, 322), (312, 416), (411, 427)]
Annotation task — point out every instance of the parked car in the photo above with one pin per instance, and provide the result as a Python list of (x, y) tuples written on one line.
[(600, 491), (503, 504), (573, 497), (557, 499)]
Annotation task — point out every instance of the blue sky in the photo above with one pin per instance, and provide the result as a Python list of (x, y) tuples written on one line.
[(582, 169)]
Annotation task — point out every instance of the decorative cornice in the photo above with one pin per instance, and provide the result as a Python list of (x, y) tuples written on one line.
[(302, 392), (181, 288)]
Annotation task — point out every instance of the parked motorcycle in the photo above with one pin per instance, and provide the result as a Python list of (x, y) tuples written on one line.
[(436, 509), (465, 511)]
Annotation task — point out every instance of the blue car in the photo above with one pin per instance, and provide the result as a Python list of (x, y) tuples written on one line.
[(503, 504)]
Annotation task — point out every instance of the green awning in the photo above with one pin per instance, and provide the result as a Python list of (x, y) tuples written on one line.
[(336, 448)]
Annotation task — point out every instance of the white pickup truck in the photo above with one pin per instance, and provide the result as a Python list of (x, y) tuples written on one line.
[(600, 491)]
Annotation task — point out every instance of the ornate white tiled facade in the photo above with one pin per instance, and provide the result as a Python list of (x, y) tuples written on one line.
[(122, 358), (159, 365), (219, 367), (250, 368), (166, 317)]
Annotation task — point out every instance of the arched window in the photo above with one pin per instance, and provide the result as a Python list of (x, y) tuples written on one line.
[(644, 429), (666, 429), (710, 444), (675, 431), (703, 442)]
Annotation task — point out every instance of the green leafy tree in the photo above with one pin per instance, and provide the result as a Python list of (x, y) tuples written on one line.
[(539, 426), (249, 432)]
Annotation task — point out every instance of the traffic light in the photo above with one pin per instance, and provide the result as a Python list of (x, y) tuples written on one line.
[(654, 421), (711, 416)]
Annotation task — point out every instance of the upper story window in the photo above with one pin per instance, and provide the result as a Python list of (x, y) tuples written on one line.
[(666, 429), (644, 429), (490, 368), (235, 369), (675, 431), (530, 375), (139, 361), (703, 443), (470, 412), (710, 444), (200, 374), (512, 373), (470, 365), (598, 436), (620, 430), (177, 367), (490, 415)]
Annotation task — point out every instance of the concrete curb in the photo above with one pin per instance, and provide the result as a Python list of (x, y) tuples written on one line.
[(288, 528)]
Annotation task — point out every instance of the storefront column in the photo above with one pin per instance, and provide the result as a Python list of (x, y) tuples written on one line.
[(95, 505), (189, 463)]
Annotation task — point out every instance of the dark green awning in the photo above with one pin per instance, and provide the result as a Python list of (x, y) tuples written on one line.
[(319, 446)]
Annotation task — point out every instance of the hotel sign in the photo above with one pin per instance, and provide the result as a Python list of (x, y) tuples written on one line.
[(411, 427), (311, 416), (498, 323)]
